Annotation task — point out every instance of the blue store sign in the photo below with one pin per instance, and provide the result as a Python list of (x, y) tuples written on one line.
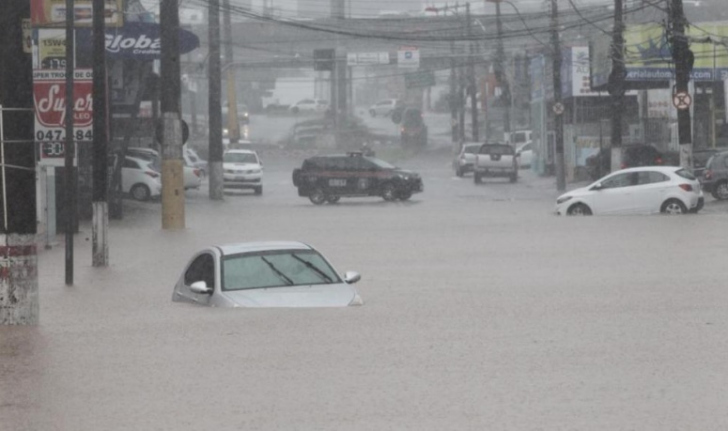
[(140, 41)]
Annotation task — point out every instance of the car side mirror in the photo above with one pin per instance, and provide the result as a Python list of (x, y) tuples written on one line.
[(597, 186), (200, 287), (351, 277)]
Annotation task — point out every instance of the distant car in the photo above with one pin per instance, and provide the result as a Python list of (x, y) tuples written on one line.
[(524, 152), (715, 176), (413, 131), (242, 169), (649, 189), (192, 174), (140, 179), (384, 107), (464, 161), (193, 159), (310, 105), (701, 156), (495, 160), (329, 178), (632, 156), (264, 274)]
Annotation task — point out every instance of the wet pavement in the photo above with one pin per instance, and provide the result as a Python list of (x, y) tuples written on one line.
[(482, 311)]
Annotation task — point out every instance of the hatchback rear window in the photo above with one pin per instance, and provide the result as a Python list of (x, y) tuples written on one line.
[(685, 174), (497, 149)]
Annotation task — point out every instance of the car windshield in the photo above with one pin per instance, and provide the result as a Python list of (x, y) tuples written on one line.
[(381, 163), (276, 269), (240, 158), (519, 137), (497, 149), (471, 149)]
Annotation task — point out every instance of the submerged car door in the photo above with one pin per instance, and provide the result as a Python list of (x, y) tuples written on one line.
[(616, 195), (650, 190), (202, 268), (130, 173)]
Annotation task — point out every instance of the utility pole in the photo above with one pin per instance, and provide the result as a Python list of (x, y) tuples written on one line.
[(214, 105), (499, 69), (19, 304), (453, 101), (338, 76), (100, 220), (233, 124), (173, 191), (683, 58), (472, 90), (70, 173), (616, 85), (558, 104)]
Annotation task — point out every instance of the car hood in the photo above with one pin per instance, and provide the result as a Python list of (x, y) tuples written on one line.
[(406, 172), (318, 295), (583, 191)]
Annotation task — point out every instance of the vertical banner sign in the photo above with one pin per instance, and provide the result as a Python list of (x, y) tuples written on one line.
[(49, 97)]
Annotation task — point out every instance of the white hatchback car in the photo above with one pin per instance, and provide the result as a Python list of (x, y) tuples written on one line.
[(643, 190), (310, 105), (140, 179), (384, 107), (242, 169), (525, 154)]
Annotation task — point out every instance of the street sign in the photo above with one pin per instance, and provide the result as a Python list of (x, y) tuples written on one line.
[(682, 100), (419, 79), (366, 58), (558, 108), (408, 56)]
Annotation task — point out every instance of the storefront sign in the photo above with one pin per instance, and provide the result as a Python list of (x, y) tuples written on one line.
[(141, 41), (49, 96), (52, 13)]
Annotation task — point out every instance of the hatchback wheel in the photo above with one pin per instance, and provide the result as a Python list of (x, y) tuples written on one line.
[(389, 192), (721, 191), (579, 210), (673, 206), (140, 192), (317, 197)]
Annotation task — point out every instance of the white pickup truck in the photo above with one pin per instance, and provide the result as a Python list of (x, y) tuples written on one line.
[(495, 160)]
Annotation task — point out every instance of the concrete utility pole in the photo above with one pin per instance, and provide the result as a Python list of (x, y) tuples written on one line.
[(558, 104), (173, 191), (616, 86), (499, 69), (683, 58), (100, 221), (233, 124), (453, 101), (18, 255), (472, 88), (214, 105), (70, 173)]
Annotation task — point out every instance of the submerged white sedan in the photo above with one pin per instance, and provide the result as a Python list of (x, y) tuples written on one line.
[(643, 190), (264, 274)]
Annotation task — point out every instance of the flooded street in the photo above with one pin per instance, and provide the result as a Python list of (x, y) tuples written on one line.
[(483, 310)]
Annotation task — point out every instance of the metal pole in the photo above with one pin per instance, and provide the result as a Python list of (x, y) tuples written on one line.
[(70, 150), (471, 79), (213, 103), (683, 59), (453, 101), (500, 74), (233, 124), (173, 192), (558, 117), (616, 86), (100, 221)]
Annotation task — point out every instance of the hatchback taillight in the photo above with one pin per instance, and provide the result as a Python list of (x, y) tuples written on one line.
[(152, 174), (686, 187), (197, 172), (708, 175), (623, 165), (658, 161)]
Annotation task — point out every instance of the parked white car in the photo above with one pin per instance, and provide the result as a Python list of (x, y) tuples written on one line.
[(242, 169), (384, 107), (192, 175), (643, 190), (140, 179), (310, 105), (525, 154), (464, 162)]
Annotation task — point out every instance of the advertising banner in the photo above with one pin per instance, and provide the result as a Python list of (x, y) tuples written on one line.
[(52, 13), (49, 96), (140, 41)]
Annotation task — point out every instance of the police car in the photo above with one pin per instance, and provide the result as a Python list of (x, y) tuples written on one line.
[(331, 177)]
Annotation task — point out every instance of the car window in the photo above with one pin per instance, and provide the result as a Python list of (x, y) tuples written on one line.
[(240, 158), (131, 164), (201, 269), (619, 180), (380, 163), (276, 269), (651, 177), (472, 149), (497, 149), (685, 174)]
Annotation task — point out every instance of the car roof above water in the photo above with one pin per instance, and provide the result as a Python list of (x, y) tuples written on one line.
[(252, 247)]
